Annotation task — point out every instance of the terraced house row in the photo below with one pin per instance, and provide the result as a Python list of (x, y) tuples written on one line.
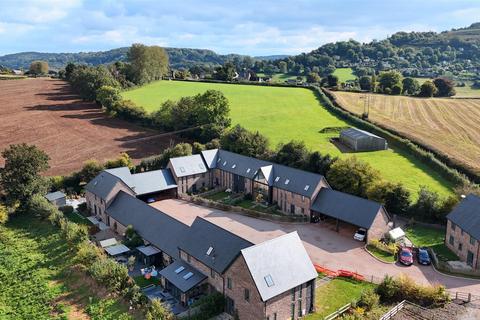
[(257, 281)]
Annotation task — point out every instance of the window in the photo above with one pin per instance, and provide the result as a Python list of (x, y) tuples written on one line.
[(303, 198), (300, 292), (212, 273), (248, 170), (246, 294), (306, 187), (460, 246), (269, 281), (209, 251), (234, 166), (188, 276), (472, 240), (229, 283), (453, 225), (450, 240), (470, 258), (293, 294), (299, 308), (292, 313), (292, 208), (287, 181), (275, 316), (188, 258), (179, 269), (277, 178)]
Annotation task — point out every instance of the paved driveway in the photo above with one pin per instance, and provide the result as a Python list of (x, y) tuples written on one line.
[(325, 246)]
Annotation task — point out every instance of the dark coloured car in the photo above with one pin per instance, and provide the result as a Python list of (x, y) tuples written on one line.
[(423, 257), (406, 256)]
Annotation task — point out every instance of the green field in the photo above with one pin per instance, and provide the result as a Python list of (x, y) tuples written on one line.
[(36, 277), (344, 74), (283, 114), (281, 77)]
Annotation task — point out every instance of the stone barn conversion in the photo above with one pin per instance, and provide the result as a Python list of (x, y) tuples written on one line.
[(360, 140)]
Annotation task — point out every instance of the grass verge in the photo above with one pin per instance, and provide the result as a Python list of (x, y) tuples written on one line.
[(433, 238), (380, 254)]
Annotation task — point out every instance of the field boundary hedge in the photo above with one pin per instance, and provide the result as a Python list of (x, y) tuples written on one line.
[(427, 156)]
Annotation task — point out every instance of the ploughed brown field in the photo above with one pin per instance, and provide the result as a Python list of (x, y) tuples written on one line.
[(448, 126), (45, 112)]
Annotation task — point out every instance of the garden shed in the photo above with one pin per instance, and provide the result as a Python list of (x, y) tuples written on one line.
[(58, 198), (360, 140)]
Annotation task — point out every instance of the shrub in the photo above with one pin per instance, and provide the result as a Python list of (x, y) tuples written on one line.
[(82, 208), (369, 299), (128, 110), (56, 217), (109, 273), (3, 214), (390, 248), (40, 206), (73, 232), (88, 253), (158, 311), (210, 306), (123, 160)]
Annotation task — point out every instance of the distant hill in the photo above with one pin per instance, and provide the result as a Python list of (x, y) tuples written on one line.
[(179, 57)]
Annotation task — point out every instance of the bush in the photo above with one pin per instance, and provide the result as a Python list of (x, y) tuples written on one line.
[(123, 160), (128, 110), (73, 232), (404, 288), (369, 299), (3, 214), (158, 311), (210, 306), (82, 208), (391, 248), (88, 253), (110, 273), (40, 206)]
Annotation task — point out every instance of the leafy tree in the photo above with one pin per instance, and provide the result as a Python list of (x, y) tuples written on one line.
[(397, 89), (410, 86), (40, 206), (109, 97), (68, 70), (395, 197), (282, 65), (352, 176), (39, 68), (20, 179), (365, 83), (332, 80), (318, 163), (147, 63), (242, 141), (3, 214), (226, 73), (160, 161), (91, 168), (427, 206), (313, 77), (427, 89), (445, 87), (389, 80), (292, 154), (123, 160), (87, 80), (158, 311)]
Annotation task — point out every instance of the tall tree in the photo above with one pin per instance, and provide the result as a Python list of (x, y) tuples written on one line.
[(292, 154), (352, 176), (410, 86), (21, 179), (240, 140), (39, 67), (389, 80), (445, 87), (147, 63), (427, 89)]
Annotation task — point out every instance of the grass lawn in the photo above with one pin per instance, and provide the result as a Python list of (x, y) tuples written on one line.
[(281, 77), (283, 114), (218, 196), (77, 218), (344, 74), (35, 277), (380, 254), (336, 294), (432, 238), (142, 282)]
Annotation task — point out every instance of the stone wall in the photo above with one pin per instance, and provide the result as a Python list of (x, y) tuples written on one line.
[(379, 226), (281, 305), (461, 244), (214, 278)]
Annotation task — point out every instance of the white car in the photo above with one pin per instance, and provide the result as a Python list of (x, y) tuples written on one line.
[(360, 234)]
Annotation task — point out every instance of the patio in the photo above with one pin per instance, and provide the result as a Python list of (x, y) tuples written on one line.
[(157, 292), (240, 200)]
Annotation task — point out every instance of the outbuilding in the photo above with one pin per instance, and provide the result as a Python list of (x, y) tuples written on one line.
[(58, 198), (360, 140), (352, 210)]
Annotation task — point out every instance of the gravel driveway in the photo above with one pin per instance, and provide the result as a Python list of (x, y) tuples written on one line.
[(325, 246)]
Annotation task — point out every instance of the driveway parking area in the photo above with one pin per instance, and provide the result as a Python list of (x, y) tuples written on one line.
[(324, 245)]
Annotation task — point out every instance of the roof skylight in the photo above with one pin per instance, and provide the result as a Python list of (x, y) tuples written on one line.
[(287, 181), (179, 269), (188, 276), (234, 166), (209, 251), (248, 170), (306, 187), (182, 169), (225, 163), (277, 178), (269, 281)]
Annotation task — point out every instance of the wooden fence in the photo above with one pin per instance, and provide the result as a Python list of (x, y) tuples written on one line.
[(339, 312)]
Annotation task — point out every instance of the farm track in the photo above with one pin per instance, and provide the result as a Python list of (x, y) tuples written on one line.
[(46, 113), (449, 126)]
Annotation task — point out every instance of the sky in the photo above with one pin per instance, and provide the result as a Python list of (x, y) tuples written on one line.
[(243, 26)]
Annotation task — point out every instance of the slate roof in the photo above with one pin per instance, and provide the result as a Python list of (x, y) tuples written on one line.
[(103, 184), (279, 265), (204, 235), (356, 133), (183, 269), (466, 215), (139, 183), (153, 225), (290, 179), (346, 207), (52, 196), (188, 165)]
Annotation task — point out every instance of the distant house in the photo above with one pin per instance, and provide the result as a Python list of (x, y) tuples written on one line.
[(58, 198), (463, 231), (353, 210), (360, 140)]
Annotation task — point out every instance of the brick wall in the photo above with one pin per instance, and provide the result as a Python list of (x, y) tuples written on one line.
[(185, 184), (281, 305), (214, 278), (254, 308), (117, 226), (285, 199), (461, 244), (379, 226), (101, 204)]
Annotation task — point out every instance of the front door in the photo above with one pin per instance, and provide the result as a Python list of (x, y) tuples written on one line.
[(230, 306), (238, 184)]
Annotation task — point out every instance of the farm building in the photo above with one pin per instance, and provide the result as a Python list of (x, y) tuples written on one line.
[(58, 198), (360, 140)]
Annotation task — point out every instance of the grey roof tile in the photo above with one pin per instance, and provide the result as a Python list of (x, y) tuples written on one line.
[(52, 196), (279, 265), (466, 215), (155, 226), (225, 245), (346, 207)]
